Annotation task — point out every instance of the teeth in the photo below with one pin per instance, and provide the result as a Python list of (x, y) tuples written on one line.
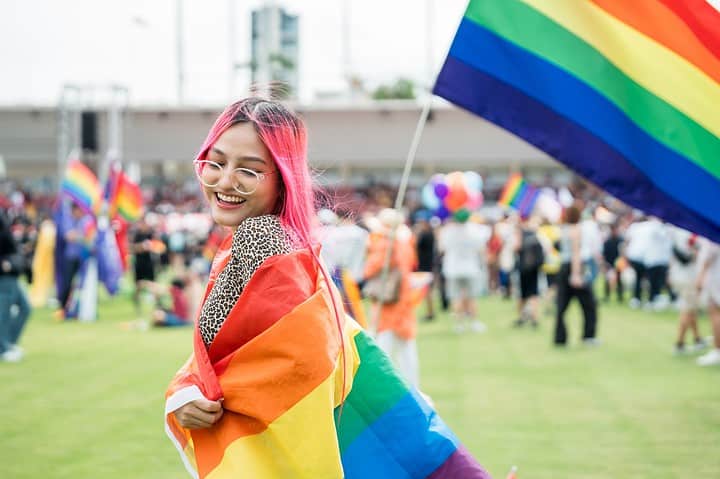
[(229, 199)]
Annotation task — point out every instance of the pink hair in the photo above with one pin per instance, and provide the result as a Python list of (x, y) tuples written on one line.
[(284, 135)]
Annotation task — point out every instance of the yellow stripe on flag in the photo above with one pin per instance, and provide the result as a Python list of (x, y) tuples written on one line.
[(254, 456), (653, 66)]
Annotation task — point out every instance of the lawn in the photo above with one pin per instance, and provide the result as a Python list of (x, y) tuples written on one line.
[(87, 401)]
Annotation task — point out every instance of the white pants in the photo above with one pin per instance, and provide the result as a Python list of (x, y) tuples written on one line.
[(403, 352)]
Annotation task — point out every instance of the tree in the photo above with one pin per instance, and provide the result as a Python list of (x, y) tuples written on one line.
[(402, 89)]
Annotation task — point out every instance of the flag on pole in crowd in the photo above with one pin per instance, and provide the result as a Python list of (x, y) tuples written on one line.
[(109, 260), (123, 195), (624, 93), (519, 195), (81, 184)]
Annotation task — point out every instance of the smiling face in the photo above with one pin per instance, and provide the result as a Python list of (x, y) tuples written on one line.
[(240, 147)]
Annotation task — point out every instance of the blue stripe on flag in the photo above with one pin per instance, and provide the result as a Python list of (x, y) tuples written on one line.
[(558, 113), (408, 441)]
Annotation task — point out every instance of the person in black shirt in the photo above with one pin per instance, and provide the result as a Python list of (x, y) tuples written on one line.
[(14, 306), (611, 252), (426, 253)]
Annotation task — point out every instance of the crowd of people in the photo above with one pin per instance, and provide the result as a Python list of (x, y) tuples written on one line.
[(261, 235), (635, 259)]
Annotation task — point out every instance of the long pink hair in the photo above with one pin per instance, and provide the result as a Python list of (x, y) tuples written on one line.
[(284, 135)]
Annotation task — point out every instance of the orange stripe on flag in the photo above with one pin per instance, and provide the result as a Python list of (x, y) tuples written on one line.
[(658, 22), (250, 379)]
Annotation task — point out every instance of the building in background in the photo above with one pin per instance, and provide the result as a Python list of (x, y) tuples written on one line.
[(274, 48)]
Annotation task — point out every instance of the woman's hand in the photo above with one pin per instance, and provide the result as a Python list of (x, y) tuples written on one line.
[(199, 414), (576, 280)]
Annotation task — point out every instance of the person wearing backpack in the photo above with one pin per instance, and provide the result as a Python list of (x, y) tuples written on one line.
[(530, 258)]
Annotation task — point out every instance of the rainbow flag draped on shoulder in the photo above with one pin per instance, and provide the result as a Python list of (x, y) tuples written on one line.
[(625, 93), (300, 402)]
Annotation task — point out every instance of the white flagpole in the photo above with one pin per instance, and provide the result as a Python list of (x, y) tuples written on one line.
[(400, 198)]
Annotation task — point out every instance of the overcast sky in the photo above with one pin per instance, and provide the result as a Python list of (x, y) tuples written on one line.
[(47, 43)]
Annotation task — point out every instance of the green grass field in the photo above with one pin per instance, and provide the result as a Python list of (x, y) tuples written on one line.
[(87, 401)]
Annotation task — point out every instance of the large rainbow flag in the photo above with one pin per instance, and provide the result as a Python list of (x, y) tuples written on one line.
[(301, 400), (626, 93), (81, 184)]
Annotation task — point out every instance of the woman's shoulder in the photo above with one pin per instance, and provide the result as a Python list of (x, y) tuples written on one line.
[(265, 231)]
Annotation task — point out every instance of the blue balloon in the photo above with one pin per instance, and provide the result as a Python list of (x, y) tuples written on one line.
[(442, 213), (429, 199), (473, 181)]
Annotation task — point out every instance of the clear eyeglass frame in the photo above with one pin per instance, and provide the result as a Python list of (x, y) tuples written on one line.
[(244, 180)]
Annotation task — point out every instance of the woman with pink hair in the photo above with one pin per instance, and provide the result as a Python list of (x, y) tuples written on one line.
[(279, 373)]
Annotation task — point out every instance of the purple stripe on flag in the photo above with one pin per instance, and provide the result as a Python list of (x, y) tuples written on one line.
[(528, 202), (579, 149), (460, 465)]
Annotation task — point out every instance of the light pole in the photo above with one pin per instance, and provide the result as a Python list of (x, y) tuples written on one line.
[(179, 51)]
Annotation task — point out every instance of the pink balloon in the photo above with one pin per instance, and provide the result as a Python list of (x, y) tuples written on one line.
[(475, 201)]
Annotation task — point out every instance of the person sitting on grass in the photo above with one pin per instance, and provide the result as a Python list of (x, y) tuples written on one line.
[(179, 313)]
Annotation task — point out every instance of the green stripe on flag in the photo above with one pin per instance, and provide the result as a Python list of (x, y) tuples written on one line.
[(529, 29)]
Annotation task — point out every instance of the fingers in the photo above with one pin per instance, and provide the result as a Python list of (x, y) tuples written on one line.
[(207, 405), (195, 416)]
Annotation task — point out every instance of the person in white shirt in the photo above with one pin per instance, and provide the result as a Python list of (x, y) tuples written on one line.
[(657, 259), (709, 278), (637, 238), (682, 275), (462, 244)]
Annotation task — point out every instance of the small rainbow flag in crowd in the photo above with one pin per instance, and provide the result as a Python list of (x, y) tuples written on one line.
[(81, 184), (90, 232), (124, 195), (624, 93), (519, 194)]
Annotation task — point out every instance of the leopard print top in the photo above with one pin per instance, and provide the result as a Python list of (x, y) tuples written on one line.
[(255, 240)]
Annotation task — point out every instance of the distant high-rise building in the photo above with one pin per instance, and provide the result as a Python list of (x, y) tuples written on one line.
[(275, 48)]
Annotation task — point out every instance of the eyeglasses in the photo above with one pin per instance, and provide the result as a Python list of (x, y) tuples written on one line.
[(244, 180)]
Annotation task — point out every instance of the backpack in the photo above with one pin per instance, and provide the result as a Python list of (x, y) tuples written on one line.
[(531, 256)]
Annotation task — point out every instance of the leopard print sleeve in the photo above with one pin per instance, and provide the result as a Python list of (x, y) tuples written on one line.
[(255, 240)]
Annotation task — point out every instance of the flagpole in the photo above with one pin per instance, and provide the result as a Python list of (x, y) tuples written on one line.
[(400, 198)]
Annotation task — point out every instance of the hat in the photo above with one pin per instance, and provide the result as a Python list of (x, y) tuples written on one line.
[(390, 218), (327, 217)]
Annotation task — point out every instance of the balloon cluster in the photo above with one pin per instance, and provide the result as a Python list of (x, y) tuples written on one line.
[(455, 192)]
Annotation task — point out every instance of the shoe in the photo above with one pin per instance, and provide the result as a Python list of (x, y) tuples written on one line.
[(699, 345), (534, 324), (709, 359), (477, 327), (634, 303), (519, 323), (459, 328), (680, 350), (12, 356), (592, 342)]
